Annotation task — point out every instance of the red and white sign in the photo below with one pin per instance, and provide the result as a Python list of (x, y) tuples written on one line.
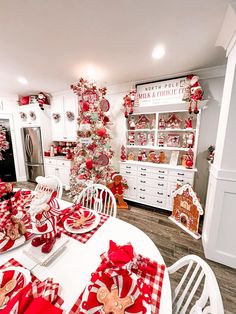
[(162, 92)]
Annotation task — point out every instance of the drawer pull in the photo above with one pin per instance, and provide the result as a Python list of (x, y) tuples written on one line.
[(142, 197), (128, 167), (143, 174), (159, 193), (180, 180), (142, 181), (143, 190), (144, 169), (160, 184), (160, 202), (161, 171), (159, 177), (180, 174), (128, 172)]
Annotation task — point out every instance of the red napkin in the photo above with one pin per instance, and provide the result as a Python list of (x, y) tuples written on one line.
[(120, 254), (22, 303)]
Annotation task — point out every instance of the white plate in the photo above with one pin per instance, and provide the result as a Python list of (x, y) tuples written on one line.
[(17, 272), (84, 229)]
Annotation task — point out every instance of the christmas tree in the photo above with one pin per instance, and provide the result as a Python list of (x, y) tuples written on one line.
[(93, 153)]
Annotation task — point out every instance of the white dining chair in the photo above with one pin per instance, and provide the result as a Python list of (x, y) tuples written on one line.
[(198, 282), (53, 182), (99, 198)]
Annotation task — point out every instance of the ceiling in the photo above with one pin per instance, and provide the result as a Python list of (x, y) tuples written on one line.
[(52, 43)]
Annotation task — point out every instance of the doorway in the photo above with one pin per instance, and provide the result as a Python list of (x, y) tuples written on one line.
[(7, 165)]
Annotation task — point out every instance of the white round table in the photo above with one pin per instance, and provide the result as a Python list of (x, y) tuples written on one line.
[(73, 268)]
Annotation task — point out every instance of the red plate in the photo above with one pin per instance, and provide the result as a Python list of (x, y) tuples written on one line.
[(104, 105)]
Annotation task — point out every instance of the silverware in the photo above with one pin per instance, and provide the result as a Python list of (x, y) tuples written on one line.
[(55, 255)]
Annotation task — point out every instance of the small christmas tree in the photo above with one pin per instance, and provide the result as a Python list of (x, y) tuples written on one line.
[(93, 151)]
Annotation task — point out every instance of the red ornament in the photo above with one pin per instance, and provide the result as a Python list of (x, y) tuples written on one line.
[(101, 132), (84, 105), (89, 164)]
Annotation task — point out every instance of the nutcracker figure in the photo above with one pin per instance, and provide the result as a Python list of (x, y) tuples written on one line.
[(140, 158), (131, 138), (162, 123), (144, 155), (142, 138), (190, 140), (151, 139), (161, 140)]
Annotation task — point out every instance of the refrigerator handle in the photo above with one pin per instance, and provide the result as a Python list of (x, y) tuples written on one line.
[(30, 146), (27, 145)]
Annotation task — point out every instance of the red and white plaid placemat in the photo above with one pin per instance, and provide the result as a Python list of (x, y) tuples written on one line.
[(84, 237), (47, 288), (154, 281)]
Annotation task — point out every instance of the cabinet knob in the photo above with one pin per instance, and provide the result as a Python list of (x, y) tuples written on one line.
[(180, 180), (180, 174)]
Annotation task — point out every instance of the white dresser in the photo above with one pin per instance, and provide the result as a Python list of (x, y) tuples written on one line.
[(152, 184)]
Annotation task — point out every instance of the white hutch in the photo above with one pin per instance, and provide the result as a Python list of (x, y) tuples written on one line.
[(152, 181)]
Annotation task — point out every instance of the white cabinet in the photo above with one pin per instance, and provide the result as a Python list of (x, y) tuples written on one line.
[(32, 115), (153, 184), (59, 168), (64, 129), (158, 153)]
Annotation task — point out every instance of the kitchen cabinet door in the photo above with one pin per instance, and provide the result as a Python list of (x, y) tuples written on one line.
[(70, 105), (58, 128), (49, 170), (64, 176)]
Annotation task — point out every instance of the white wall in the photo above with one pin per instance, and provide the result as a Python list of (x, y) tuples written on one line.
[(9, 110), (213, 88)]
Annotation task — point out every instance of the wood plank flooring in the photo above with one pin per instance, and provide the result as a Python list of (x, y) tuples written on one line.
[(173, 243)]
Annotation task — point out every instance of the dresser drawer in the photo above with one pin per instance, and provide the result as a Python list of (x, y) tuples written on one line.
[(151, 191), (161, 185), (127, 167), (128, 173), (181, 174), (152, 175), (181, 180), (50, 161), (64, 163), (145, 169), (151, 200), (158, 201), (146, 182)]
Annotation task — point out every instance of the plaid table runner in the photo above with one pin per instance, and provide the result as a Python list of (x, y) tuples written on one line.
[(46, 287), (84, 237), (154, 281)]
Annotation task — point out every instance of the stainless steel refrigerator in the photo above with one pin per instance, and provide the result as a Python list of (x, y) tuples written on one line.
[(33, 152)]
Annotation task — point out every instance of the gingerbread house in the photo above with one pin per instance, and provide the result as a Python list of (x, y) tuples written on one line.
[(173, 122), (186, 210), (143, 122)]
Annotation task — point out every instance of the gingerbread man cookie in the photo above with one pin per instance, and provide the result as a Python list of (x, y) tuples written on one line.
[(111, 301)]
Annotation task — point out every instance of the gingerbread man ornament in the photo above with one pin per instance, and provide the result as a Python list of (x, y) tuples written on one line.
[(111, 301)]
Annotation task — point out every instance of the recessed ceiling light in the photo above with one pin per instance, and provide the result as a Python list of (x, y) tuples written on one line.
[(158, 52), (22, 80)]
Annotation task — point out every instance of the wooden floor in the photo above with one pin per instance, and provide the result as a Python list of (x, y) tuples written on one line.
[(173, 243)]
